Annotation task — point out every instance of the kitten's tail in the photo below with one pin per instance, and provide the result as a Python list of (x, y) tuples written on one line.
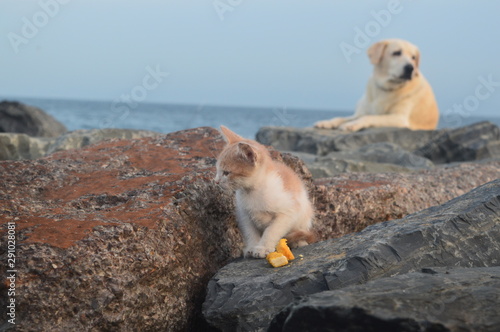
[(297, 238)]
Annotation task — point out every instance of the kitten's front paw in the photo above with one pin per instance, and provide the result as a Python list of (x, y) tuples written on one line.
[(258, 252)]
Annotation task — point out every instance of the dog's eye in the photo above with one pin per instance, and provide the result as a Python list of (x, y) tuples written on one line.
[(225, 173), (414, 57), (396, 53)]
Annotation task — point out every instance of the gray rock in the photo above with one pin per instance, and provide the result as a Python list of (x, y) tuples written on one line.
[(474, 142), (307, 158), (384, 149), (383, 152), (19, 118), (22, 146), (247, 294), (431, 300), (324, 141), (377, 157), (330, 167), (80, 138)]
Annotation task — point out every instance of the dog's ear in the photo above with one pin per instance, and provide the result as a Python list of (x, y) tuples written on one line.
[(376, 51), (417, 59)]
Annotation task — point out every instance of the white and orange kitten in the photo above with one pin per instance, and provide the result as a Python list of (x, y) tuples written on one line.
[(271, 200)]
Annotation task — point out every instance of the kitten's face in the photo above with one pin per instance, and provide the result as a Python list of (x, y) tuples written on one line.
[(239, 161), (235, 166)]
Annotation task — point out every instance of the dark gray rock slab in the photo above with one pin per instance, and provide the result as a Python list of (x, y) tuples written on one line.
[(385, 149), (464, 232), (324, 141), (16, 117), (375, 158), (330, 167), (475, 142), (434, 299), (382, 152)]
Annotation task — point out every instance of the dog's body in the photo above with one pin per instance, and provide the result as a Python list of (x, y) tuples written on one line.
[(397, 94)]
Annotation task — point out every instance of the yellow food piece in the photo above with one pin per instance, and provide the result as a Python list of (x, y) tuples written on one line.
[(283, 248), (277, 259)]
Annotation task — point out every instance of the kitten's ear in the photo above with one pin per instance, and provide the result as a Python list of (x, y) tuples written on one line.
[(247, 152), (231, 137)]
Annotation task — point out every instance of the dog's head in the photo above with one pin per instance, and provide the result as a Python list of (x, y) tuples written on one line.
[(396, 61)]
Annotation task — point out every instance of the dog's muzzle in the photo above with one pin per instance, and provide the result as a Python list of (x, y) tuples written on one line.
[(407, 72)]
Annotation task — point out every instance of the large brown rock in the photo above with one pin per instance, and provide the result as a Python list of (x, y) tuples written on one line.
[(105, 235)]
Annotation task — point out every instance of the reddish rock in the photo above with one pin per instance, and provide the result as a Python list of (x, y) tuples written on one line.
[(104, 240), (351, 201)]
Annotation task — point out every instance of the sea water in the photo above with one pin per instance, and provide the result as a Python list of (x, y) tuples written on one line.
[(166, 118)]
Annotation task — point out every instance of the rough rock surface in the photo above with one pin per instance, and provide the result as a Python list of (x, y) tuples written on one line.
[(105, 241), (80, 138), (374, 158), (474, 142), (331, 152), (19, 118), (383, 152), (323, 141), (434, 299), (21, 146), (349, 202), (464, 232)]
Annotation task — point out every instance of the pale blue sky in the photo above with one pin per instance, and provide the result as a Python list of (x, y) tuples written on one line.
[(243, 52)]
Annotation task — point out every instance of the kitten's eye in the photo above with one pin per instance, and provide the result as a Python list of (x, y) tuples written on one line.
[(396, 53), (225, 173)]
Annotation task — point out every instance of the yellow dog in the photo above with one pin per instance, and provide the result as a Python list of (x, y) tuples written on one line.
[(397, 94)]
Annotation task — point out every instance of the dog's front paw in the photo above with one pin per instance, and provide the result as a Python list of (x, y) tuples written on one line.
[(323, 124), (329, 124), (258, 252), (354, 125)]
